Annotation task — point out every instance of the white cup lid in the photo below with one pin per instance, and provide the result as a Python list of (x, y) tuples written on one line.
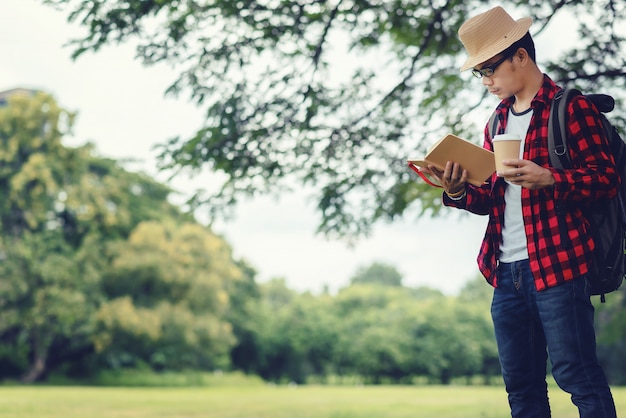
[(507, 137)]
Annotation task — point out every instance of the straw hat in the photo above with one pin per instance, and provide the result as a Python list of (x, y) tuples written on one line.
[(486, 35)]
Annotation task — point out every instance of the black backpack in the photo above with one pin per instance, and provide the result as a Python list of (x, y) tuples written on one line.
[(607, 217)]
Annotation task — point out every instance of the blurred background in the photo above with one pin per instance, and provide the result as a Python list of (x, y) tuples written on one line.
[(223, 187)]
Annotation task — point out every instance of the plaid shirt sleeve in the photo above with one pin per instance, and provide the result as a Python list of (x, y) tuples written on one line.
[(558, 246)]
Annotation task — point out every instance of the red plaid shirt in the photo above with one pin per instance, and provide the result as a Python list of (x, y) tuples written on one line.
[(559, 247)]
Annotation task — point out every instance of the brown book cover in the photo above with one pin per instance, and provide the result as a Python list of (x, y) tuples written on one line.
[(478, 162)]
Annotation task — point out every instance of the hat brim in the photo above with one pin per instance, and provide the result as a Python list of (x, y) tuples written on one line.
[(514, 35)]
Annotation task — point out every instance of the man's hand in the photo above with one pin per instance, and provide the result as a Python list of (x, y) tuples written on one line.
[(452, 178), (526, 174)]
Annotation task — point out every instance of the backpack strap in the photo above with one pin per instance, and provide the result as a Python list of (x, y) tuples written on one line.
[(557, 128), (493, 124), (557, 149)]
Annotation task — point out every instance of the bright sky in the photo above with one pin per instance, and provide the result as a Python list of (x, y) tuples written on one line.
[(121, 108)]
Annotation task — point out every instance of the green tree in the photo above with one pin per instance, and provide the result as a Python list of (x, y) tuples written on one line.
[(610, 319), (48, 296), (49, 280), (34, 164), (373, 341), (295, 334), (377, 273), (243, 314), (61, 208), (167, 294), (477, 291), (449, 340), (393, 334), (333, 94)]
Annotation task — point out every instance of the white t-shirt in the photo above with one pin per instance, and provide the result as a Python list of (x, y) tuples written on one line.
[(513, 246)]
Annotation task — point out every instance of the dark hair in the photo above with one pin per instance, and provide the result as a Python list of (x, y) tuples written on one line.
[(526, 42)]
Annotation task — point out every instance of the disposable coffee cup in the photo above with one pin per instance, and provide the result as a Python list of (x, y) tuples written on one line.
[(505, 147)]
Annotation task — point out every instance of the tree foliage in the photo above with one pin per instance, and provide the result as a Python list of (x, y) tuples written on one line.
[(393, 334), (378, 273), (333, 94), (48, 296), (49, 281), (90, 252), (167, 295)]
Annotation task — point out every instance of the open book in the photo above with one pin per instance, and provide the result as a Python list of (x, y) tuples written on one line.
[(478, 162)]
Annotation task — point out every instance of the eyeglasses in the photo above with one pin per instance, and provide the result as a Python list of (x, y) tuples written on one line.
[(488, 71)]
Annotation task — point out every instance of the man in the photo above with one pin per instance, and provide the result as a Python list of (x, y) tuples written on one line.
[(536, 260)]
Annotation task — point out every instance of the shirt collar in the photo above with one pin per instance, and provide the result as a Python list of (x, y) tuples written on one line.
[(546, 93)]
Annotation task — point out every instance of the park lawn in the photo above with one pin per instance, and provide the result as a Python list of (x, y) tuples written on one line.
[(270, 402)]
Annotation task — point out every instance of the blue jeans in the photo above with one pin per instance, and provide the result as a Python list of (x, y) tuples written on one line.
[(558, 322)]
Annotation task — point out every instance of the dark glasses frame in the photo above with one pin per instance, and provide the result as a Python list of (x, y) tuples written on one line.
[(488, 71)]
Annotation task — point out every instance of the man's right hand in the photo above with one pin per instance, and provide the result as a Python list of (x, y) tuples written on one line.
[(452, 178)]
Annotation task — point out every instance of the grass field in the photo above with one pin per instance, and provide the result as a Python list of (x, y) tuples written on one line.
[(270, 402)]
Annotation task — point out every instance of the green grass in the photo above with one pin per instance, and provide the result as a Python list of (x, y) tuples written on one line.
[(270, 402)]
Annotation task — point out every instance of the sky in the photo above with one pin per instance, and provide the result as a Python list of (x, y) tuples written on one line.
[(122, 109)]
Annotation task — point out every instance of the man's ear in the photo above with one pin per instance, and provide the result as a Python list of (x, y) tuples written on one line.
[(521, 54)]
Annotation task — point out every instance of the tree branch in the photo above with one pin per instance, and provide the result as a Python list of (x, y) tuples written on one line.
[(318, 50)]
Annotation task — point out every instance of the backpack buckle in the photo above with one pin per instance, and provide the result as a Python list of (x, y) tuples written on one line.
[(560, 150)]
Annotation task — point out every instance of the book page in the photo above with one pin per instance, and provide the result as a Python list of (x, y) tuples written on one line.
[(478, 161)]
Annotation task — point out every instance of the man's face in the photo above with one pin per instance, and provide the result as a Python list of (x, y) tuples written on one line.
[(498, 74)]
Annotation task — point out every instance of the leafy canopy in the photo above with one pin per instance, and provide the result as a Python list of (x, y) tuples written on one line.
[(332, 95)]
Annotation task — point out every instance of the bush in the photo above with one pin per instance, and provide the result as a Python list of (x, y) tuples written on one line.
[(147, 378)]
